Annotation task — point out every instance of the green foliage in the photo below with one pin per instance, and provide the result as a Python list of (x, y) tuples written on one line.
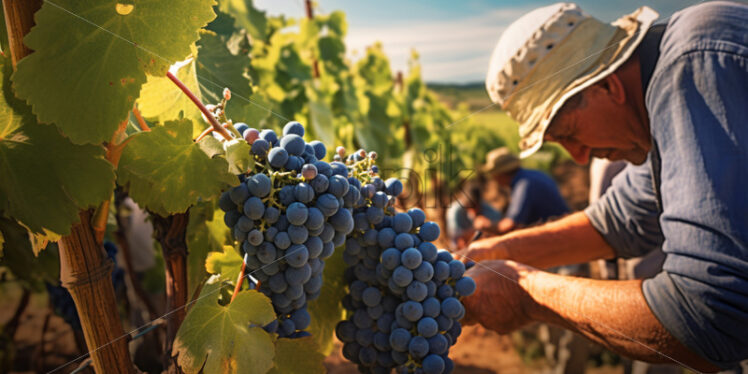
[(245, 16), (161, 100), (44, 179), (226, 265), (206, 233), (166, 172), (226, 339), (297, 356), (19, 258), (86, 79)]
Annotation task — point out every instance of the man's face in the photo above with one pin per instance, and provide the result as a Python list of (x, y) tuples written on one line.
[(594, 124)]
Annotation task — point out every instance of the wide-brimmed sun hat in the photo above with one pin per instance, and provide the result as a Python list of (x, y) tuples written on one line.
[(550, 54), (500, 160)]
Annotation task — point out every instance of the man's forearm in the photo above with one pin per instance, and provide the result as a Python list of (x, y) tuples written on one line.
[(570, 240), (612, 313)]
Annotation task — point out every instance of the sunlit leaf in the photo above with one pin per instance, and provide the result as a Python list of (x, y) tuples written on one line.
[(166, 172), (91, 58), (226, 339)]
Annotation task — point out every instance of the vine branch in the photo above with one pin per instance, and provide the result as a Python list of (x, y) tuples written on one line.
[(141, 122), (211, 118)]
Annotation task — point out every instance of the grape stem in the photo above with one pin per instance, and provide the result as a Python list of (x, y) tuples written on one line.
[(211, 118), (240, 279), (206, 132), (114, 150), (143, 125)]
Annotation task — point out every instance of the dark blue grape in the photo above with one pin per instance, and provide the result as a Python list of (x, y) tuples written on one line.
[(297, 213), (260, 148), (277, 157), (429, 232), (433, 364), (418, 347), (293, 144), (254, 208), (303, 193), (399, 340), (393, 187), (238, 194), (293, 127), (298, 234), (269, 136), (402, 222)]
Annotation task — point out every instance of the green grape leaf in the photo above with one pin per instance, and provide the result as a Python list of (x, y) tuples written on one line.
[(238, 156), (246, 16), (41, 169), (297, 356), (226, 265), (86, 78), (161, 100), (206, 233), (217, 68), (167, 172), (327, 310), (21, 260), (219, 339), (211, 146)]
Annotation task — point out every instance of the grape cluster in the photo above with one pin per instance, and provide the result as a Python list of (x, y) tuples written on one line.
[(403, 298), (289, 213)]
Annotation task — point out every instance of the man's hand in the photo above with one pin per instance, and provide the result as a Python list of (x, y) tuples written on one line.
[(484, 249), (483, 223), (499, 302)]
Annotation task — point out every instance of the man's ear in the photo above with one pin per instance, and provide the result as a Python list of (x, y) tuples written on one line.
[(613, 87)]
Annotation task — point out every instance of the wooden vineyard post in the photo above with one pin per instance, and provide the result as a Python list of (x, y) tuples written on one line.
[(310, 16), (171, 232), (85, 270)]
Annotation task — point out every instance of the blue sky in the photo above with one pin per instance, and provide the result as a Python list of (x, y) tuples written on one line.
[(454, 38)]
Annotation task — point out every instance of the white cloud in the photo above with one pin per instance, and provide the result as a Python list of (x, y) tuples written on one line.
[(454, 50)]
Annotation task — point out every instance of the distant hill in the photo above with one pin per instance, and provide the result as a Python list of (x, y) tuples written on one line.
[(472, 94)]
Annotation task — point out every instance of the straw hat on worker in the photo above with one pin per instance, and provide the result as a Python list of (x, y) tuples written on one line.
[(552, 53), (500, 161)]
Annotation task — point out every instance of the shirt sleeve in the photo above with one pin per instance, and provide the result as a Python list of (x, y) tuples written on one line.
[(627, 214), (699, 110), (519, 204)]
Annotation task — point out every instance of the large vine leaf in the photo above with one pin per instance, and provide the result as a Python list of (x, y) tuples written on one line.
[(219, 339), (327, 310), (92, 55), (44, 179), (161, 100), (297, 356), (167, 172), (218, 68), (246, 16), (226, 264)]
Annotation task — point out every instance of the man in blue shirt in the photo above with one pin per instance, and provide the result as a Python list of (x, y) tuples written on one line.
[(535, 198), (672, 99)]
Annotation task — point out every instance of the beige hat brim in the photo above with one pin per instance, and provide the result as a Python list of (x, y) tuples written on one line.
[(530, 143)]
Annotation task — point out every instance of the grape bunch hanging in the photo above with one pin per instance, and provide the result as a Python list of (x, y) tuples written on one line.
[(404, 295), (289, 213)]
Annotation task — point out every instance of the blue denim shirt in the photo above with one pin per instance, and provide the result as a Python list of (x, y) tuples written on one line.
[(535, 198), (697, 207)]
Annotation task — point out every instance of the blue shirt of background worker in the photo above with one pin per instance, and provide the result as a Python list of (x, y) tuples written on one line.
[(535, 198)]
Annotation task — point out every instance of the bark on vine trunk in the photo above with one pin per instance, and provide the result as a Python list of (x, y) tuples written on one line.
[(86, 272), (171, 233)]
